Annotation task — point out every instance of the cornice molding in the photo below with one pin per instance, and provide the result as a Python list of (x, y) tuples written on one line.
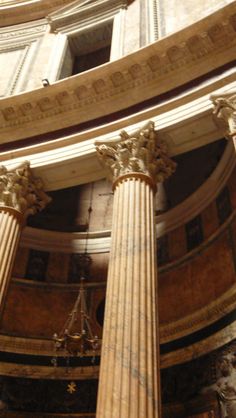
[(200, 199), (205, 346), (99, 241), (151, 71), (183, 124), (86, 11), (219, 339), (47, 372), (200, 319), (12, 13), (22, 33)]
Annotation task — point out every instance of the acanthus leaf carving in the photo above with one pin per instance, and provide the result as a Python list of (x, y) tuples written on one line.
[(20, 190), (225, 109), (141, 152)]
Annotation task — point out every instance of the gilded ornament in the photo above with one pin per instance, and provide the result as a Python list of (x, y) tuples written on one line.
[(71, 387)]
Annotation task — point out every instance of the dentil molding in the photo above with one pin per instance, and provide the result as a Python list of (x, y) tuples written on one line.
[(148, 72)]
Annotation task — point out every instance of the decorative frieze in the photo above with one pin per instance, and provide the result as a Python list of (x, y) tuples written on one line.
[(164, 61), (20, 190), (22, 32)]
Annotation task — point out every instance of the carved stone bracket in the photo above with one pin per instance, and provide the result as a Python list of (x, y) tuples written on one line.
[(20, 190), (141, 153), (225, 110)]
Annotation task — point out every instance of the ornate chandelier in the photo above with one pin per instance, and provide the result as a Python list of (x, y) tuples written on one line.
[(76, 336)]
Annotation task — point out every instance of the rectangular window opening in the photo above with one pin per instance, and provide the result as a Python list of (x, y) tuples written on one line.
[(88, 49)]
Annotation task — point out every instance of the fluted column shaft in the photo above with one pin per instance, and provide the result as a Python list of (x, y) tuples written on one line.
[(10, 229), (129, 372), (129, 382), (21, 194)]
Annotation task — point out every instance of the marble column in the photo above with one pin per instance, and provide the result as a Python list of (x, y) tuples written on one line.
[(129, 382), (21, 194)]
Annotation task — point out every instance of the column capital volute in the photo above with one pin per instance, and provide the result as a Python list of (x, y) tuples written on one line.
[(225, 111), (142, 153), (21, 190)]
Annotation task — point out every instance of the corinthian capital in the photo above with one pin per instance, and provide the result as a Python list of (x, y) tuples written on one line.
[(141, 152), (225, 110), (22, 191)]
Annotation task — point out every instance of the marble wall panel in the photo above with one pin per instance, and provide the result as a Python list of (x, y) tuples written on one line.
[(196, 283), (21, 262), (58, 266), (232, 188), (37, 311), (210, 220), (177, 243), (8, 73)]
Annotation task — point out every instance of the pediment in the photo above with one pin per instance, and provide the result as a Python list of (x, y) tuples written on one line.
[(80, 10)]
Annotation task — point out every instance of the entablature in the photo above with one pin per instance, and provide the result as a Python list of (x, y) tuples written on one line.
[(149, 72)]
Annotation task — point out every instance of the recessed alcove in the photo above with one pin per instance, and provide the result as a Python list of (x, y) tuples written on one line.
[(87, 49), (193, 169)]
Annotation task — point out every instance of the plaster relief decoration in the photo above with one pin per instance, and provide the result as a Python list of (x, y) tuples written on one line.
[(15, 58), (141, 152), (22, 191), (225, 110), (19, 46)]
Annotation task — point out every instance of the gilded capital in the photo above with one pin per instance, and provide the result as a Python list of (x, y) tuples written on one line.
[(141, 153), (20, 190), (225, 110)]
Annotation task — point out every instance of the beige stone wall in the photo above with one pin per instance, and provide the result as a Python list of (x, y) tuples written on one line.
[(24, 50), (175, 14), (132, 28), (32, 51)]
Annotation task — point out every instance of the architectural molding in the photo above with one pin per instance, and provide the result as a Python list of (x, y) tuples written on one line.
[(205, 346), (12, 13), (99, 241), (217, 340), (22, 33), (200, 319), (86, 12), (201, 198), (199, 48), (184, 124), (47, 372), (24, 50), (21, 44)]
